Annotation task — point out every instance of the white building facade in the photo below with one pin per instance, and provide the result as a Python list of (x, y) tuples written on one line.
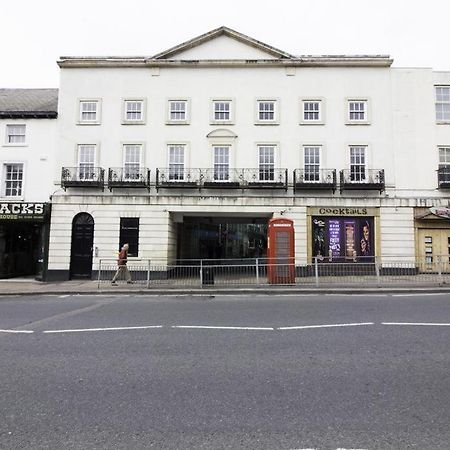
[(189, 153), (27, 156)]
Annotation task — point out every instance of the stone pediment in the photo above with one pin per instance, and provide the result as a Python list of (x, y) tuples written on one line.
[(222, 133), (222, 44)]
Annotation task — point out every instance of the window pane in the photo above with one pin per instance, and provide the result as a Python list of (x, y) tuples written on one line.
[(132, 162), (312, 163), (444, 155), (266, 110), (221, 163), (133, 110), (311, 110), (86, 158), (88, 111), (357, 164), (178, 110), (15, 134), (176, 162), (357, 110), (13, 180), (266, 163), (222, 110)]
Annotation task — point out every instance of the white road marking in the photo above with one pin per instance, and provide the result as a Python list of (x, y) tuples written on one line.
[(422, 324), (306, 327), (16, 331), (64, 296), (207, 327), (80, 330), (417, 294)]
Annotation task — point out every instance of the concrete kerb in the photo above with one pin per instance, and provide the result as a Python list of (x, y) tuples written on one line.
[(11, 288)]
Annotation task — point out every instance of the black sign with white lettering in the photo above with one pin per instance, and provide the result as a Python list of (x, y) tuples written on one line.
[(24, 211)]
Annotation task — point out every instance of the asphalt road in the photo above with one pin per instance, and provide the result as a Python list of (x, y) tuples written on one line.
[(269, 372)]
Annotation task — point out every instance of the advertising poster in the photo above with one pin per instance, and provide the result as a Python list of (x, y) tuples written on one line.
[(343, 239), (334, 243)]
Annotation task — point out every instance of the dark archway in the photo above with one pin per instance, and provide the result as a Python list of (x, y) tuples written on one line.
[(82, 246)]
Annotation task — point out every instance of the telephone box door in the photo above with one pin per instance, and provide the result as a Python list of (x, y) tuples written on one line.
[(280, 251)]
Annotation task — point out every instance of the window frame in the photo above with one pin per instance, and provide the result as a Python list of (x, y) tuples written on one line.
[(7, 142), (97, 120), (321, 119), (181, 178), (4, 179), (213, 120), (442, 164), (441, 121), (364, 177), (186, 120), (367, 112), (78, 159), (142, 120), (276, 111), (133, 251), (319, 165), (220, 164), (139, 145), (264, 168)]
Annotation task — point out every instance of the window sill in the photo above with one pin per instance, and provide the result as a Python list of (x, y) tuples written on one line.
[(312, 122), (174, 122), (88, 123), (362, 122), (15, 145), (266, 123), (221, 122), (11, 199), (133, 122)]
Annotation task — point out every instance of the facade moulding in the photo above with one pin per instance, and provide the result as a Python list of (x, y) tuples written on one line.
[(356, 61)]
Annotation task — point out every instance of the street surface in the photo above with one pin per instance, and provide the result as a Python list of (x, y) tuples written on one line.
[(238, 372)]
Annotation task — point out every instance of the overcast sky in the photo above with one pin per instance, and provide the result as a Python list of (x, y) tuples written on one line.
[(34, 33)]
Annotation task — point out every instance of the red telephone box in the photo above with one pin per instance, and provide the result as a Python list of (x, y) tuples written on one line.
[(280, 251)]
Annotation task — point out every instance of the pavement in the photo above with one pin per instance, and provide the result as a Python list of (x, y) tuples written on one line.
[(29, 286)]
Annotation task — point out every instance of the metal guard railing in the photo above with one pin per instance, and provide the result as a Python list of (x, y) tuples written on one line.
[(364, 272)]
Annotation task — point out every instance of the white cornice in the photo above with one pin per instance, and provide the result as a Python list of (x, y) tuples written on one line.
[(302, 61)]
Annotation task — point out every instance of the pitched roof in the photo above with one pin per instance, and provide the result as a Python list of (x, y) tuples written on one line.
[(28, 103), (222, 31)]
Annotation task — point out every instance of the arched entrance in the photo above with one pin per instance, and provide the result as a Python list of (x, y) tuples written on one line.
[(82, 245)]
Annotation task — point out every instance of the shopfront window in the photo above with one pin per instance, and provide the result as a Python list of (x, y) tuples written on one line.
[(222, 238), (343, 239)]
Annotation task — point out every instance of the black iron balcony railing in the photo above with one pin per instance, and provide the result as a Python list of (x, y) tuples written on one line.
[(444, 177), (314, 178), (221, 177), (82, 176), (265, 178), (177, 177), (361, 178), (129, 177)]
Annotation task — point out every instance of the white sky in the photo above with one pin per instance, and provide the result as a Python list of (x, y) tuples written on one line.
[(34, 33)]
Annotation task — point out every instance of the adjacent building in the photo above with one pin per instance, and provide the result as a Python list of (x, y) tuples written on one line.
[(27, 158), (187, 154)]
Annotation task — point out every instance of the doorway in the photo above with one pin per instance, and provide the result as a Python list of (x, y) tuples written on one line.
[(82, 246), (434, 247), (19, 248), (222, 238)]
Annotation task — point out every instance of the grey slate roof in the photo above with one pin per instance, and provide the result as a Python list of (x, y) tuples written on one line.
[(28, 103)]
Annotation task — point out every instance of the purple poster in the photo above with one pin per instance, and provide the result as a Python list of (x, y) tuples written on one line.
[(334, 232)]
